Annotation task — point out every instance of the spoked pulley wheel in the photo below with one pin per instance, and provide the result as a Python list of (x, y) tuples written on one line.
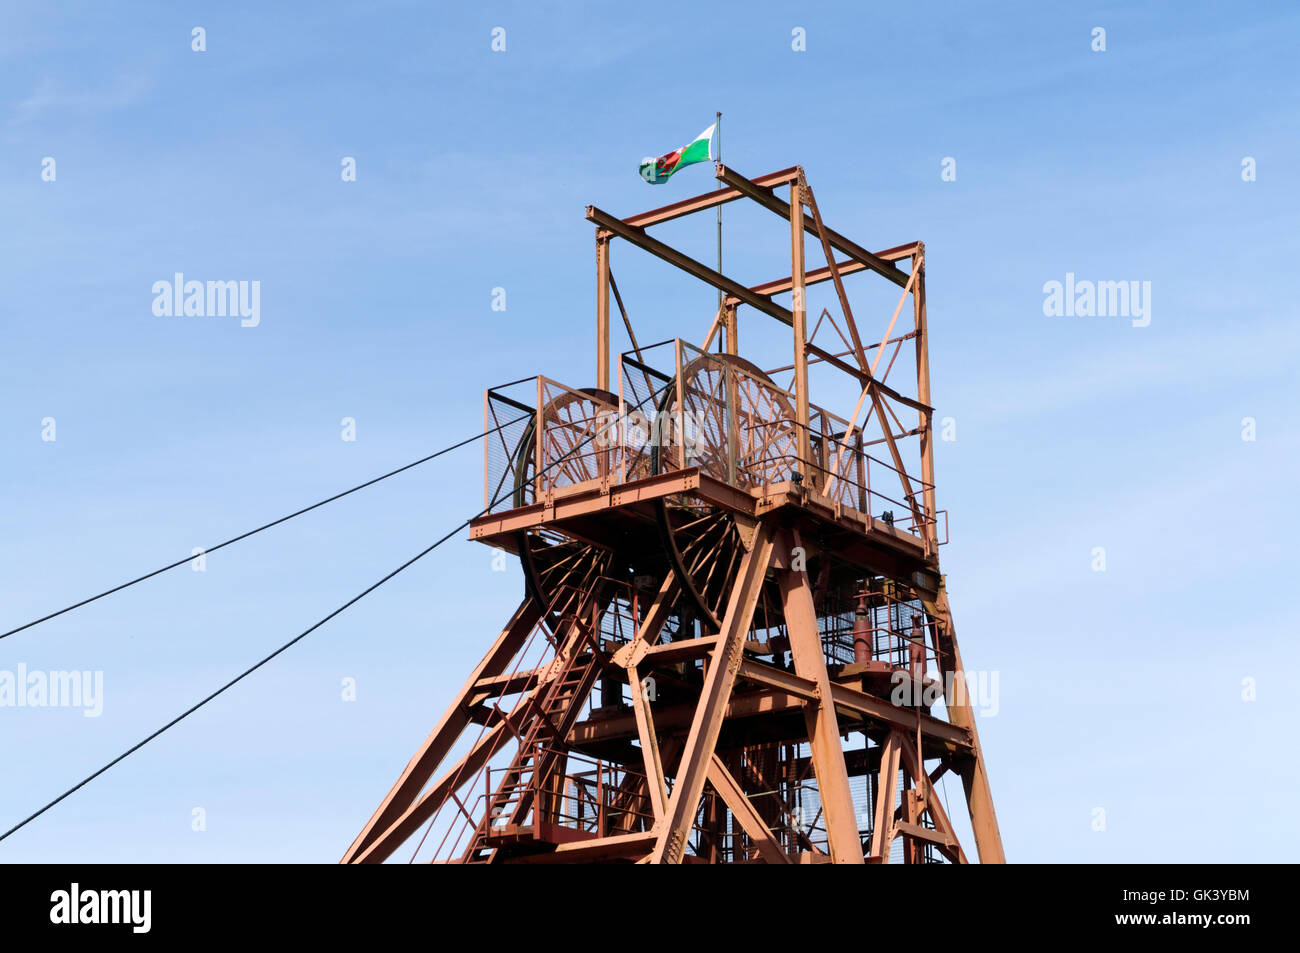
[(703, 541), (557, 568)]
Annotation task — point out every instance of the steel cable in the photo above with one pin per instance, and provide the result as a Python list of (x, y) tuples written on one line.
[(254, 532), (299, 637)]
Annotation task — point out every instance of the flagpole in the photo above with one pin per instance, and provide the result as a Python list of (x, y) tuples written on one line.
[(719, 131)]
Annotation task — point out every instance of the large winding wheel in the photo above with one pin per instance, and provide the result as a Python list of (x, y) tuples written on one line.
[(703, 541), (558, 569)]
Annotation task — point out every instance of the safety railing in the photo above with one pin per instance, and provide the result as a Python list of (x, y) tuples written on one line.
[(545, 437), (847, 476), (887, 623), (577, 793), (723, 415), (681, 407)]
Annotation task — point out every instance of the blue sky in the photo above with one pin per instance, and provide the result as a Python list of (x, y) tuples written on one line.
[(1120, 690)]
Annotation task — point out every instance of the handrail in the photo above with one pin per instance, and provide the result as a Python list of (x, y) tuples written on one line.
[(731, 421)]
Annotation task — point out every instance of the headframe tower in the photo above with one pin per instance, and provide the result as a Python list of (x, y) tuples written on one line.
[(735, 643)]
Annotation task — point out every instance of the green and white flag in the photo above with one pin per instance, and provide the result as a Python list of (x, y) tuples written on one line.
[(657, 171)]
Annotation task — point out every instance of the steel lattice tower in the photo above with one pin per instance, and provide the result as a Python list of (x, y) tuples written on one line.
[(734, 632)]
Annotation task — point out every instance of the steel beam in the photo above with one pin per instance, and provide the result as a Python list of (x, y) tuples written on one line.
[(944, 835), (974, 776), (698, 203), (602, 313), (645, 727), (823, 727), (592, 851), (800, 325), (765, 197), (712, 707), (440, 741), (628, 656), (638, 236), (846, 266), (835, 275), (925, 418), (742, 809), (384, 841), (784, 692), (886, 795)]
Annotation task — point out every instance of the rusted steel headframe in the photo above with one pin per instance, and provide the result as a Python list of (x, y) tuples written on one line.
[(734, 626)]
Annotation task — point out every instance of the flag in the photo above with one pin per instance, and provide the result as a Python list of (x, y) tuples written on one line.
[(657, 171)]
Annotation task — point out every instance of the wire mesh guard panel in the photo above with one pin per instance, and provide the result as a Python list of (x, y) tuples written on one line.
[(509, 410), (642, 388), (566, 437)]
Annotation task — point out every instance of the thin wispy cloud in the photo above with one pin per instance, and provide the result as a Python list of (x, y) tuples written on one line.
[(53, 99)]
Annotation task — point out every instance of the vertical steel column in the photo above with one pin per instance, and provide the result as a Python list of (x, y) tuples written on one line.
[(602, 312), (733, 396), (799, 308), (819, 714), (540, 441), (925, 418)]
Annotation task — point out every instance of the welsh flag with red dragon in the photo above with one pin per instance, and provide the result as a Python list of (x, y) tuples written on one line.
[(700, 149)]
